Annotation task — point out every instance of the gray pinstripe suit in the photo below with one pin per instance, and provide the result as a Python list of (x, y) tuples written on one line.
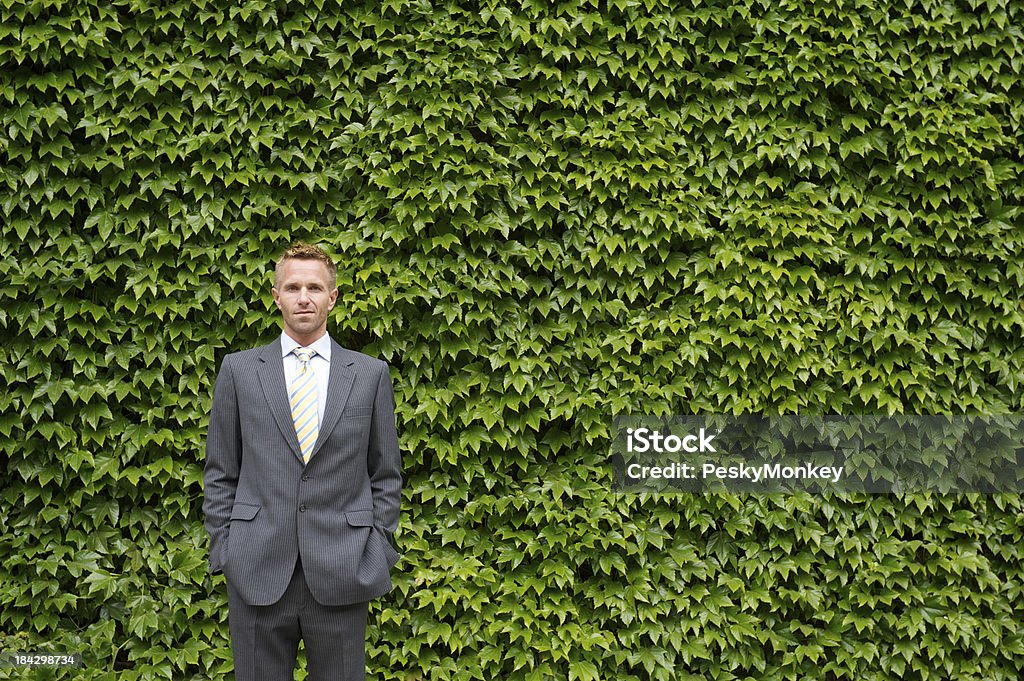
[(265, 509)]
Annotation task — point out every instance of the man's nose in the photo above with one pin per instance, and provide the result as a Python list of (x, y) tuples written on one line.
[(303, 295)]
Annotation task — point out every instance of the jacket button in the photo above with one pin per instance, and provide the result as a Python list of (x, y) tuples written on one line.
[(302, 508), (305, 477)]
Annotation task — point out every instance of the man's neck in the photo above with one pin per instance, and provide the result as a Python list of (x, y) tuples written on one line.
[(306, 341)]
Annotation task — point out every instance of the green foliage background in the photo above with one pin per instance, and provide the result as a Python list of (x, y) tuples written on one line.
[(545, 214)]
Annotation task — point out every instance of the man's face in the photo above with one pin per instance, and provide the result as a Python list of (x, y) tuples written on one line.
[(305, 294)]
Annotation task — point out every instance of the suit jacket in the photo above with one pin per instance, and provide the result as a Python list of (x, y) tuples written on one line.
[(264, 507)]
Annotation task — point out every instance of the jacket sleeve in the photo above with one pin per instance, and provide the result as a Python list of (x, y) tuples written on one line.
[(383, 458), (223, 463)]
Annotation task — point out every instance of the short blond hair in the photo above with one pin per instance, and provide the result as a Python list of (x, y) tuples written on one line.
[(304, 251)]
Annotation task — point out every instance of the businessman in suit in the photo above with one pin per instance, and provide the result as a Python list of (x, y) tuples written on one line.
[(302, 486)]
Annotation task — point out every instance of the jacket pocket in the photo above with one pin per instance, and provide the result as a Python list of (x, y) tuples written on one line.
[(360, 518), (244, 511)]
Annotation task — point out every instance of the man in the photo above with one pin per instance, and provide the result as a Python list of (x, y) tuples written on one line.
[(302, 486)]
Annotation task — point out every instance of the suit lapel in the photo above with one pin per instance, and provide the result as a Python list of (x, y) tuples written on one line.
[(339, 386), (271, 372)]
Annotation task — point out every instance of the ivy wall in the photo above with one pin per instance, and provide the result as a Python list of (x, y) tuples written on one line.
[(545, 214)]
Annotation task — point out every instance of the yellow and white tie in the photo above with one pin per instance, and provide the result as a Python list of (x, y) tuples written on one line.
[(303, 399)]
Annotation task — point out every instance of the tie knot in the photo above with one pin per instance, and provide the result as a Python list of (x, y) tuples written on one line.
[(304, 354)]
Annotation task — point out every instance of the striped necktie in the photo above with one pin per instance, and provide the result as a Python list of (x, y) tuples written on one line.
[(303, 399)]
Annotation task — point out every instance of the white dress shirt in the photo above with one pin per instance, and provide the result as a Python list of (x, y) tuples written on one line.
[(320, 363)]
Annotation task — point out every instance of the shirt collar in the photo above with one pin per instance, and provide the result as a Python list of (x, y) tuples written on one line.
[(322, 345)]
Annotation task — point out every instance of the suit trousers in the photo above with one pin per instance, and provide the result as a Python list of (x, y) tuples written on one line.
[(265, 639)]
